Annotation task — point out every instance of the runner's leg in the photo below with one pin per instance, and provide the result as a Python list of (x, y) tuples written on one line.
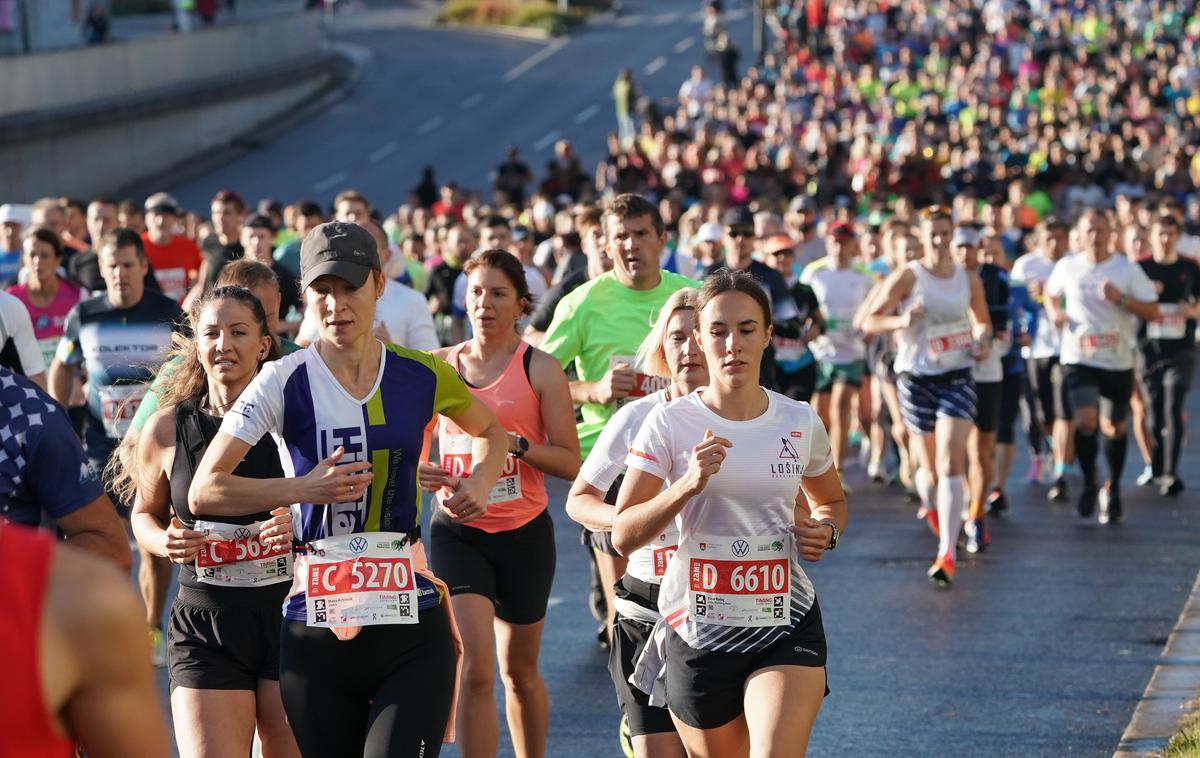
[(839, 435), (526, 703), (212, 723), (951, 439), (273, 730), (611, 568), (478, 725), (781, 706), (731, 740)]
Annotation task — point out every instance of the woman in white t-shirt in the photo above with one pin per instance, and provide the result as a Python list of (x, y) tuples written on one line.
[(752, 488), (670, 351)]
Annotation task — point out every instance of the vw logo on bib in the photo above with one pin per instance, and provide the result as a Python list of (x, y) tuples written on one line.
[(358, 544), (740, 548), (241, 533)]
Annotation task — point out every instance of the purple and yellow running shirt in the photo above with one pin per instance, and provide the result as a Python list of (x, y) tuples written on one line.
[(298, 401)]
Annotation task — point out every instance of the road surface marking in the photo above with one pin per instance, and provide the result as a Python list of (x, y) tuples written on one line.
[(663, 19), (736, 15), (546, 141), (586, 113), (429, 125), (550, 602), (633, 20), (683, 45), (653, 66), (329, 182), (534, 59), (382, 152), (472, 101)]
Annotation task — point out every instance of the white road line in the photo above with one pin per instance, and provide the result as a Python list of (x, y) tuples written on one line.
[(683, 45), (697, 16), (736, 15), (550, 602), (472, 101), (382, 152), (653, 66), (535, 59), (546, 141), (663, 19), (329, 182), (586, 113), (429, 125), (626, 21)]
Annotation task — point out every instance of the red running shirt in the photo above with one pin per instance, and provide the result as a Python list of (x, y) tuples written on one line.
[(28, 729)]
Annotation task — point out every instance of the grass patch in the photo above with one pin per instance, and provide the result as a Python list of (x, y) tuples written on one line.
[(529, 14), (1186, 742)]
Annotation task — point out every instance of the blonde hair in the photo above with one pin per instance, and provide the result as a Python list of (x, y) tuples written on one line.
[(650, 357)]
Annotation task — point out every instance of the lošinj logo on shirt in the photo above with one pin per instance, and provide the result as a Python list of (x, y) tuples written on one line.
[(789, 464)]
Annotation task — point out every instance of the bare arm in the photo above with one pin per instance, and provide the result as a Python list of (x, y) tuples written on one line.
[(895, 289), (62, 378), (586, 507), (488, 452), (560, 455), (980, 316), (97, 528), (153, 526), (102, 683), (822, 501)]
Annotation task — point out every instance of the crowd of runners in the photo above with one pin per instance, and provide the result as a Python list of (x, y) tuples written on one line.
[(912, 240)]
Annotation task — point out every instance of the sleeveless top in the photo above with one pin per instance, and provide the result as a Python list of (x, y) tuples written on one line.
[(25, 561), (194, 430), (520, 493), (940, 341)]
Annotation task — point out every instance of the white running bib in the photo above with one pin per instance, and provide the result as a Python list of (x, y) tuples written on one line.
[(643, 384), (1170, 324), (118, 406), (234, 556), (456, 458), (361, 580), (949, 343), (1100, 345), (739, 581)]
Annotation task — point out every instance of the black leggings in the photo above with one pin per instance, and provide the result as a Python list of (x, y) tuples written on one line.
[(387, 692), (1167, 382)]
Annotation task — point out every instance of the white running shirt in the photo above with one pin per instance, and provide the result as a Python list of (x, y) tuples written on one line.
[(1098, 332), (840, 292), (751, 500), (1028, 269), (607, 461), (939, 341)]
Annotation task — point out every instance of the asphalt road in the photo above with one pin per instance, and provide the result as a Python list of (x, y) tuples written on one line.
[(455, 99)]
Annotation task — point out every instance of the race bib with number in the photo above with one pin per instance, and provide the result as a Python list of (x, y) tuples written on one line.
[(643, 384), (456, 458), (739, 581), (118, 406), (234, 556), (361, 580), (662, 556), (1100, 346), (1170, 324), (950, 342)]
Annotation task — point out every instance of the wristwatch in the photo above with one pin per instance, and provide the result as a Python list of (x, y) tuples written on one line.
[(522, 446), (834, 536)]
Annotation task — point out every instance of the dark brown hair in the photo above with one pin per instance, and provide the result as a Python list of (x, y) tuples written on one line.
[(42, 234), (506, 263), (630, 205), (725, 280)]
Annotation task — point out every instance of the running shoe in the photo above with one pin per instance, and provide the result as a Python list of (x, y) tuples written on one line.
[(978, 538), (997, 503), (1035, 470), (1170, 486), (931, 518), (1110, 505), (158, 648), (1146, 478), (1085, 506), (875, 471), (625, 737), (941, 572), (1059, 492)]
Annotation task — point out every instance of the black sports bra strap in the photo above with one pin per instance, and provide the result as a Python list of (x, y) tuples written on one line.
[(189, 432)]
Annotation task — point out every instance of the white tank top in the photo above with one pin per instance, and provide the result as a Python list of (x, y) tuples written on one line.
[(939, 341)]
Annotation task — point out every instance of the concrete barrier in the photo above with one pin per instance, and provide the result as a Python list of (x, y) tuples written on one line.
[(92, 121), (69, 78)]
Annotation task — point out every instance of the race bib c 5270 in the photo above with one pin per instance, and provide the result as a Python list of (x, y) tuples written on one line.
[(361, 580)]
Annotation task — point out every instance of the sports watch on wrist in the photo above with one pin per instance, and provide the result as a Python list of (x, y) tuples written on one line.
[(522, 446), (834, 536)]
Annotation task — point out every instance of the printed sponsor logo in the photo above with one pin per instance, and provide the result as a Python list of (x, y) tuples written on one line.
[(740, 548), (358, 544)]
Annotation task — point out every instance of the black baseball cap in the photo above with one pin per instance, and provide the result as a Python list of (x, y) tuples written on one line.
[(738, 216), (339, 249)]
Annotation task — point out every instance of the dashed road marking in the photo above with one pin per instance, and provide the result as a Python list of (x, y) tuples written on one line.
[(329, 182), (546, 141), (429, 125), (586, 114), (655, 65), (683, 45), (663, 19), (382, 152), (626, 21), (534, 59), (472, 101)]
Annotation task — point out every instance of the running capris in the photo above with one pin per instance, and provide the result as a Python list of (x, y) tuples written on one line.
[(386, 693), (1045, 376)]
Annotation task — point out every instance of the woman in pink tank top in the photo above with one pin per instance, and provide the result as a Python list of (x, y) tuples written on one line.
[(500, 566), (46, 295)]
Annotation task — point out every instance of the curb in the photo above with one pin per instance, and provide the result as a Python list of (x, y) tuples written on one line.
[(1173, 688), (353, 61)]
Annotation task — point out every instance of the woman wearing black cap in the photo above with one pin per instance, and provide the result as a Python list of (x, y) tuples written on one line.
[(362, 624)]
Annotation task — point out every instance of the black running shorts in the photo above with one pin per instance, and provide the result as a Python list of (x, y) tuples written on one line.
[(629, 638), (705, 689), (513, 569), (222, 648)]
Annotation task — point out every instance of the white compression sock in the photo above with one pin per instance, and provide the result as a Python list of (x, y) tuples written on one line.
[(926, 489), (951, 494)]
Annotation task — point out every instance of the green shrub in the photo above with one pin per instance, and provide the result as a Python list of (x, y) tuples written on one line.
[(540, 14)]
